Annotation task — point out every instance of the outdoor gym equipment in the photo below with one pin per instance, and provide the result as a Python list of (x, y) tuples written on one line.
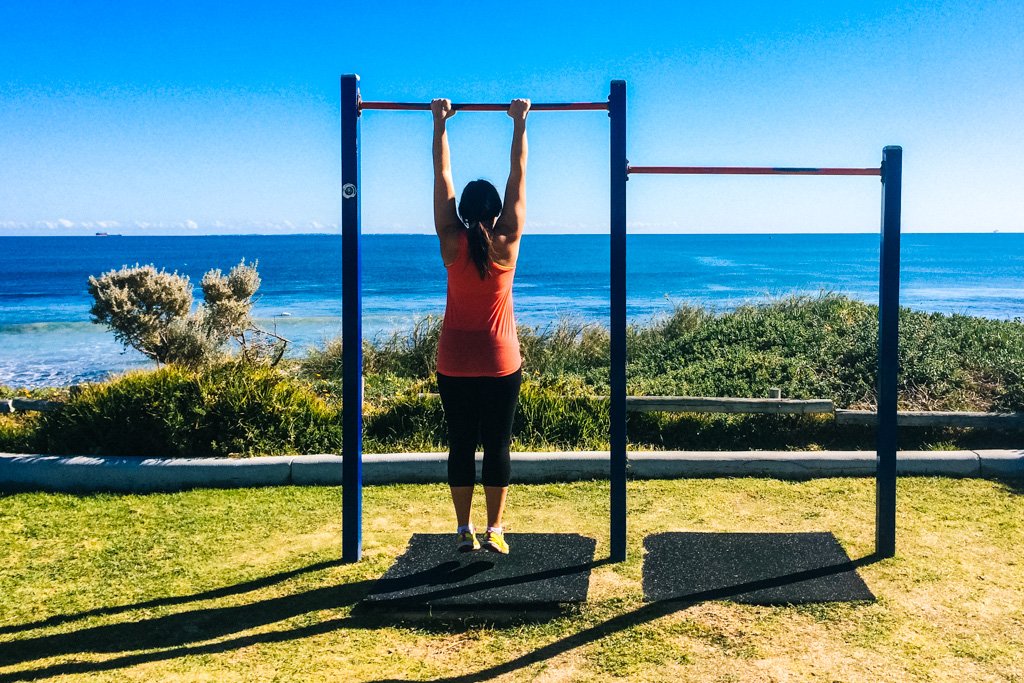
[(890, 172)]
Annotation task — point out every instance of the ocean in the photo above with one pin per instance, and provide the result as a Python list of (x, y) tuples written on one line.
[(47, 339)]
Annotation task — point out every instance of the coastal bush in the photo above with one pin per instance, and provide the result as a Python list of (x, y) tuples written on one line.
[(321, 363), (558, 418), (138, 304), (229, 409), (151, 311), (568, 348)]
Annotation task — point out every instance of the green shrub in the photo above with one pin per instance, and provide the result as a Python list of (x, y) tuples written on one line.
[(231, 409), (405, 422), (19, 433), (140, 413), (252, 410), (566, 350), (559, 418)]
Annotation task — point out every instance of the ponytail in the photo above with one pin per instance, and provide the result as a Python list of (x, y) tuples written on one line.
[(479, 247), (480, 202)]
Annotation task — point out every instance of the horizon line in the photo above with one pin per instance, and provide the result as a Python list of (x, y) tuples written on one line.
[(545, 233)]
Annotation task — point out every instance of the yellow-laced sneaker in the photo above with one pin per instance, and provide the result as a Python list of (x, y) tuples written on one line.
[(467, 542), (495, 542)]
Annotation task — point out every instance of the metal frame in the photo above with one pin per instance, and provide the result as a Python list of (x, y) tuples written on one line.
[(891, 172), (620, 170), (351, 328), (352, 335), (617, 378), (888, 351)]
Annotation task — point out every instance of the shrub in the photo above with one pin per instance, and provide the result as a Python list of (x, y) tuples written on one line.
[(19, 434), (138, 304), (150, 311), (230, 409), (140, 413)]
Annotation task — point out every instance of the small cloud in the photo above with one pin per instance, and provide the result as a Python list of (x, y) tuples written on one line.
[(191, 225), (65, 223)]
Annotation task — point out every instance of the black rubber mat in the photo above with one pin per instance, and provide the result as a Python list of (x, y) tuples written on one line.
[(760, 569), (541, 570)]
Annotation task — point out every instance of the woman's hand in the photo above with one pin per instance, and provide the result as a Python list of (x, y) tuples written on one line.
[(441, 109), (519, 109)]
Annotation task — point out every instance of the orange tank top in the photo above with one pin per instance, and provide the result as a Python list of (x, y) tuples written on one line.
[(478, 334)]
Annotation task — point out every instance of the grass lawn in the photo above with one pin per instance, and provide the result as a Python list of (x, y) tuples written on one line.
[(245, 585)]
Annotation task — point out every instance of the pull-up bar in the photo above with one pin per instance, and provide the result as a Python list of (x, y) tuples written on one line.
[(487, 106), (891, 173), (750, 170), (352, 332)]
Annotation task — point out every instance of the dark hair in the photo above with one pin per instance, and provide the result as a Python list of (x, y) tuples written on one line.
[(479, 202)]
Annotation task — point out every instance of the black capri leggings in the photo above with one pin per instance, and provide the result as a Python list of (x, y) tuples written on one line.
[(479, 409)]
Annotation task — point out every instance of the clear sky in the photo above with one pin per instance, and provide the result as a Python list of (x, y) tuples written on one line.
[(197, 117)]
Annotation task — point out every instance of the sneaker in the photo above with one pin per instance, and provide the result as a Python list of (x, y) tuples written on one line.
[(467, 542), (495, 542)]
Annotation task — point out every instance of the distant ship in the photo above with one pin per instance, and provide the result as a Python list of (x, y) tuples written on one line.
[(107, 234)]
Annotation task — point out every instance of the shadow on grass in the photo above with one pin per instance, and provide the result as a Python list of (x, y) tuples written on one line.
[(1015, 486), (642, 615), (211, 594), (174, 631), (384, 612), (171, 634)]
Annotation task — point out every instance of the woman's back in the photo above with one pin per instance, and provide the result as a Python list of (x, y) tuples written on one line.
[(478, 335)]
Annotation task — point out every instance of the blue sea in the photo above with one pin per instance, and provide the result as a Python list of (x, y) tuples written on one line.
[(46, 338)]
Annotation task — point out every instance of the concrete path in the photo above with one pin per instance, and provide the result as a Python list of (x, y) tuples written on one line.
[(138, 474)]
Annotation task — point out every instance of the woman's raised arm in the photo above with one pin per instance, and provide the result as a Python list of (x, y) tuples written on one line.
[(513, 212), (446, 219)]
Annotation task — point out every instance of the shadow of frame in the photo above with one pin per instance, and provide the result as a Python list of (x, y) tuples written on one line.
[(175, 631), (212, 594)]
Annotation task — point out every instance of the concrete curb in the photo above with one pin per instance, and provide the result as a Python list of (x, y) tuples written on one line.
[(138, 474), (84, 473), (1008, 464)]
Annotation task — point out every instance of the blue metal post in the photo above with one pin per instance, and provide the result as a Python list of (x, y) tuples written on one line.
[(617, 379), (888, 352), (351, 328)]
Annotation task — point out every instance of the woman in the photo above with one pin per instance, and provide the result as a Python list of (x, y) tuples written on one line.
[(479, 369)]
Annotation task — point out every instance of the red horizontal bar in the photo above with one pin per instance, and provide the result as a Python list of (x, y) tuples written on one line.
[(750, 170), (487, 106)]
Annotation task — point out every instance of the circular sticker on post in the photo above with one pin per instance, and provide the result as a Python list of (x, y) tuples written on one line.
[(348, 190)]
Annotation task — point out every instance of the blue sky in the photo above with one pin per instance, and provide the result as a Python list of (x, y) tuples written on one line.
[(175, 117)]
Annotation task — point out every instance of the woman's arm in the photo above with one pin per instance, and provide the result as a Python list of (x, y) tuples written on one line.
[(446, 219), (513, 213)]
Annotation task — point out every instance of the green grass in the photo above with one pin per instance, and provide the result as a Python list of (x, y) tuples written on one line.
[(244, 585)]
